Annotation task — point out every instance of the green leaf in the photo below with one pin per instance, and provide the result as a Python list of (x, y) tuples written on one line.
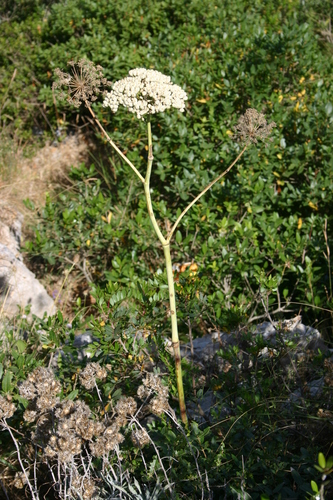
[(314, 487), (72, 395), (321, 460), (20, 345), (7, 382), (329, 463), (179, 237)]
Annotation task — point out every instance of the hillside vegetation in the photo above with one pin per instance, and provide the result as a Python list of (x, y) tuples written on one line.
[(256, 246)]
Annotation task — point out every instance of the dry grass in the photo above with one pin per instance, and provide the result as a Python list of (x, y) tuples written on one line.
[(22, 177)]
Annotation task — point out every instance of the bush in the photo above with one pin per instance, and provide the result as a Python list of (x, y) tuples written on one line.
[(259, 241)]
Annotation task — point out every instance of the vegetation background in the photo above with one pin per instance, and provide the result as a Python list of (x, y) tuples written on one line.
[(261, 238)]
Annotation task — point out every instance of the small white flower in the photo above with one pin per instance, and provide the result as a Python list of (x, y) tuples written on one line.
[(145, 91)]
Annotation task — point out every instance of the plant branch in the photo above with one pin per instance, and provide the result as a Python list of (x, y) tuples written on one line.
[(110, 141), (147, 187), (203, 192)]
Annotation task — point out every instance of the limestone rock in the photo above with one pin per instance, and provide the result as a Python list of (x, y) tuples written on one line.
[(19, 287)]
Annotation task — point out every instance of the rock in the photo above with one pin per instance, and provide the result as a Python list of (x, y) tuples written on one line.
[(10, 229), (280, 332), (19, 287)]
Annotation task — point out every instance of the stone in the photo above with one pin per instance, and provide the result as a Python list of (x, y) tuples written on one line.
[(19, 287)]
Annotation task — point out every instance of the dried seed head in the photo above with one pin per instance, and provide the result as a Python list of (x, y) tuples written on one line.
[(252, 126), (143, 392), (20, 480), (90, 373), (84, 487), (30, 415), (40, 383), (106, 443), (82, 85), (126, 406), (7, 409), (140, 437), (46, 402), (158, 405), (152, 384), (27, 390), (65, 409)]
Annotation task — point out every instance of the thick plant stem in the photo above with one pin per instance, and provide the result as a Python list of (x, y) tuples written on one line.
[(174, 329), (171, 286)]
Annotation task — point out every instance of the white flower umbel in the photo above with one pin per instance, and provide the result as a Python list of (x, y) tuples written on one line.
[(145, 92)]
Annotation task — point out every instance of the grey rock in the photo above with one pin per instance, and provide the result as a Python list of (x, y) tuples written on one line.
[(11, 228), (19, 287)]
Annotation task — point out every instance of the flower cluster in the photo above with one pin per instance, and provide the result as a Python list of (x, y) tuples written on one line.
[(7, 409), (73, 426), (40, 389), (89, 375), (140, 437), (109, 438), (20, 480), (152, 385), (145, 92), (81, 486), (252, 126)]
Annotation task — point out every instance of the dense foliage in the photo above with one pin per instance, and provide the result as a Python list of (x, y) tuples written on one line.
[(260, 238)]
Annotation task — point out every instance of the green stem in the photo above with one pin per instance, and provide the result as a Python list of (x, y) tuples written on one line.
[(110, 141), (147, 187), (174, 330), (171, 286), (172, 230)]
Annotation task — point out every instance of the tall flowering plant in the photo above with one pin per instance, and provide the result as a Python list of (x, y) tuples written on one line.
[(146, 92)]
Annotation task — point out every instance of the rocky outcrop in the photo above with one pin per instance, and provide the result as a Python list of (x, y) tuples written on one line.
[(18, 285)]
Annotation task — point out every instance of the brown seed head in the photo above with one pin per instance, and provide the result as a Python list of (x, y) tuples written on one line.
[(140, 437), (7, 409), (82, 85), (252, 126)]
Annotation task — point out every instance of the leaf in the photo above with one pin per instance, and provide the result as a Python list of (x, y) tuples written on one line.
[(321, 460), (329, 108), (179, 237), (7, 382), (72, 395), (314, 487), (20, 345)]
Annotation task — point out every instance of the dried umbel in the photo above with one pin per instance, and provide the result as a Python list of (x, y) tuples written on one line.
[(82, 85), (145, 92), (253, 126), (7, 409), (89, 375)]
